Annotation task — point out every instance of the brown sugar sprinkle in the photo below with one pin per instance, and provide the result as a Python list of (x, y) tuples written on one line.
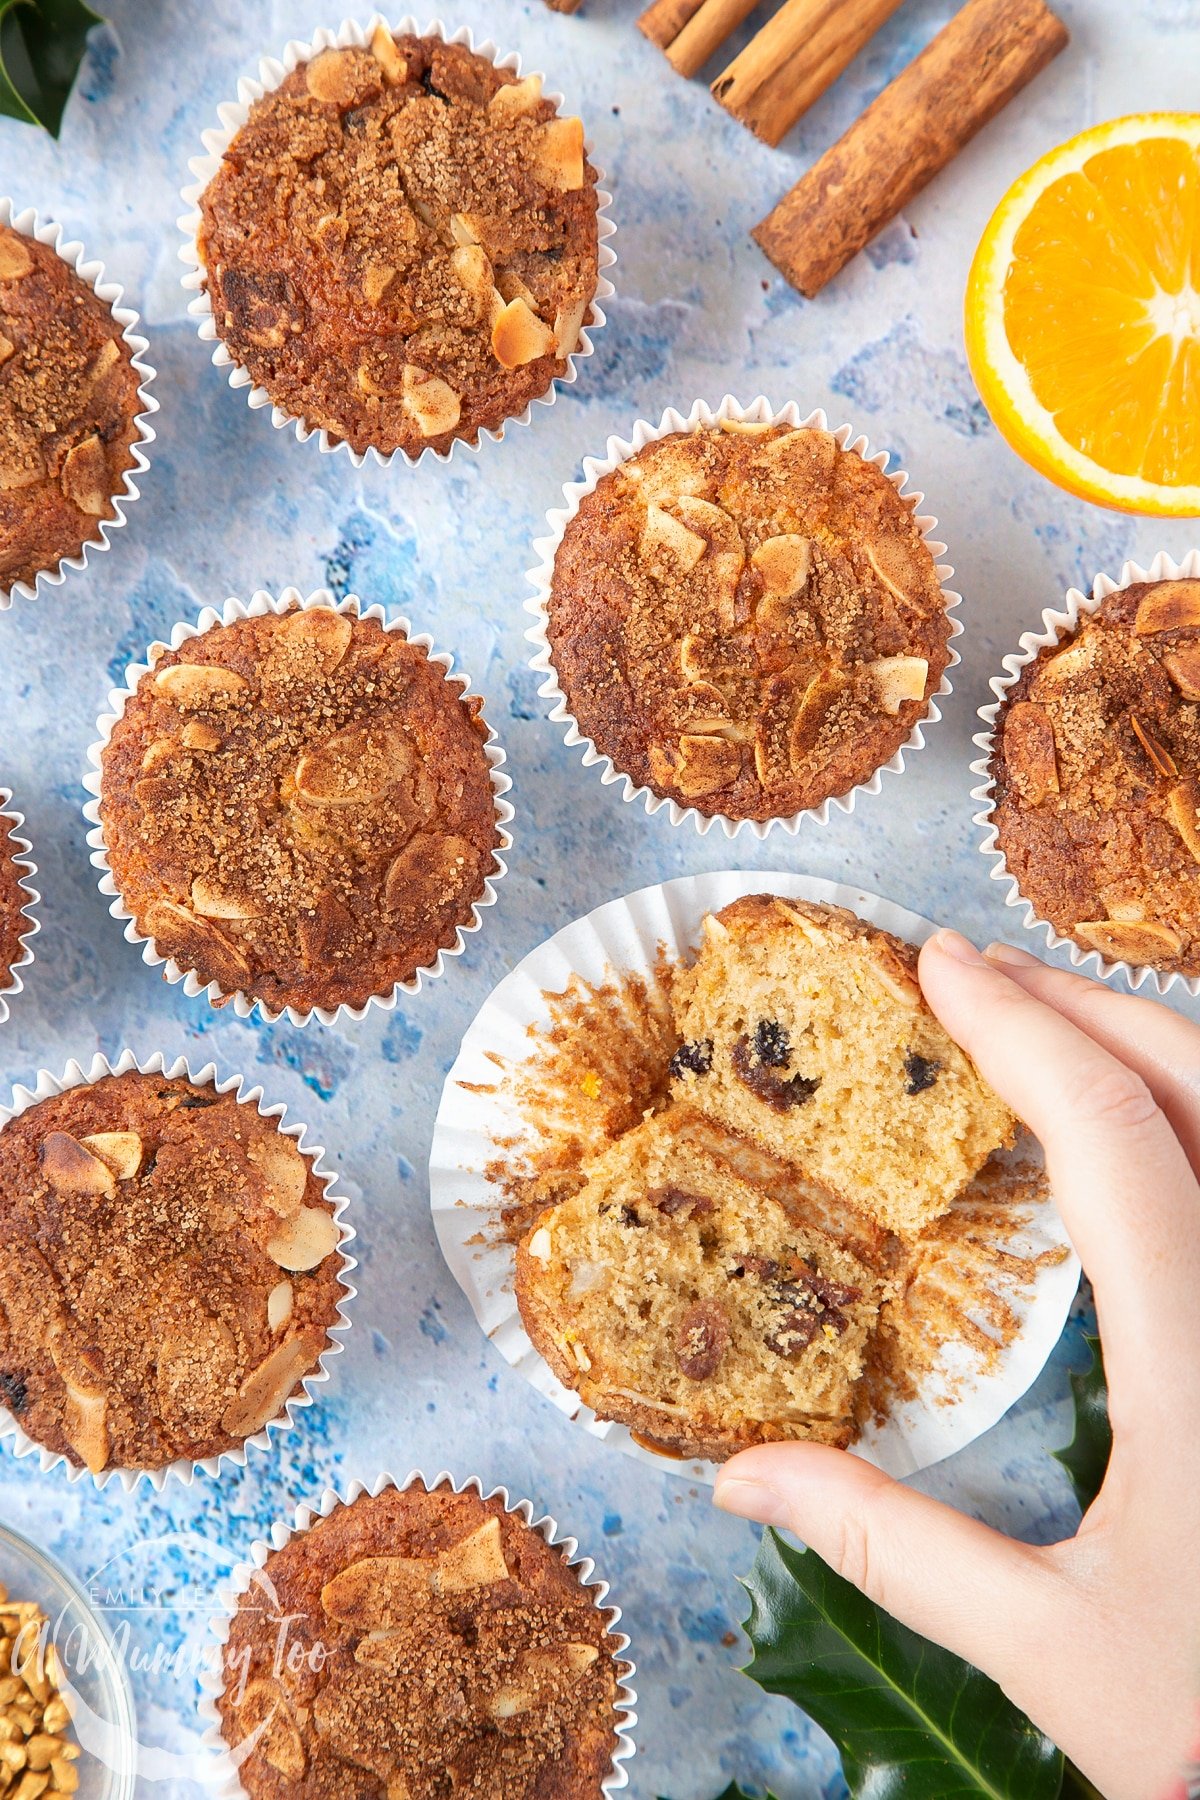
[(1096, 765), (13, 923), (68, 402), (168, 1271), (436, 1644), (746, 619), (299, 806), (401, 243)]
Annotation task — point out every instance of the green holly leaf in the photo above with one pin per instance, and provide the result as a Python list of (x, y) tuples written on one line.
[(42, 43), (912, 1722), (1085, 1458)]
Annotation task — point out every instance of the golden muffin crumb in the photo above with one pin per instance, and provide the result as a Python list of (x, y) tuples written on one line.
[(68, 402), (168, 1271), (435, 1644), (747, 620), (401, 243), (299, 806), (1096, 766)]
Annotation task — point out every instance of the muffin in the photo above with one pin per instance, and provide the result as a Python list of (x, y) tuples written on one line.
[(692, 1305), (804, 1028), (14, 922), (436, 1644), (298, 806), (746, 619), (400, 245), (1096, 769), (168, 1272), (68, 410)]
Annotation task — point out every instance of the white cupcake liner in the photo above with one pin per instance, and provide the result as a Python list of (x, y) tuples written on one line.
[(183, 1470), (476, 1116), (1057, 624), (259, 603), (19, 849), (45, 231), (223, 1780), (233, 115), (620, 450)]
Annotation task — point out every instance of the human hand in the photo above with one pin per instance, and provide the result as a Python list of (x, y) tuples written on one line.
[(1097, 1638)]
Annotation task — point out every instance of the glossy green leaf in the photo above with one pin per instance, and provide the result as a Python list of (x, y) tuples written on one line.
[(1077, 1786), (911, 1721), (42, 43), (1086, 1457)]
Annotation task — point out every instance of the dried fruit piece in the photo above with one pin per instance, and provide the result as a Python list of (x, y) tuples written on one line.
[(783, 564), (212, 902), (1030, 752), (672, 1201), (1132, 941), (920, 1072), (387, 54), (780, 1094), (430, 402), (1161, 757), (691, 1059), (120, 1150), (1183, 810), (516, 98), (85, 476), (772, 1044), (264, 1392), (196, 685), (519, 336), (1168, 606), (304, 1239), (355, 767), (898, 679), (666, 546), (701, 1340), (15, 258), (1183, 666), (559, 154), (73, 1170)]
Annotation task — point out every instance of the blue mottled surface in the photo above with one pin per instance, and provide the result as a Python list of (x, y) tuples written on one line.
[(231, 505)]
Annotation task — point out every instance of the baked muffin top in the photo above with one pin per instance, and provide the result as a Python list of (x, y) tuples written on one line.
[(401, 243), (168, 1271), (299, 807), (746, 619), (454, 1649), (1096, 765), (68, 401), (13, 923)]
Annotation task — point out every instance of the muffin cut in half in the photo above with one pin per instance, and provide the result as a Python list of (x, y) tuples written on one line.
[(691, 1305), (805, 1028)]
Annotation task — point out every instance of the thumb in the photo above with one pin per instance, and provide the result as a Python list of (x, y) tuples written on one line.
[(951, 1579)]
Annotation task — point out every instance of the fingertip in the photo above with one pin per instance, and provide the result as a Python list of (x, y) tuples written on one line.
[(946, 942)]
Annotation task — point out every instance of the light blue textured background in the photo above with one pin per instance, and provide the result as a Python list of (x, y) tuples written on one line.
[(230, 505)]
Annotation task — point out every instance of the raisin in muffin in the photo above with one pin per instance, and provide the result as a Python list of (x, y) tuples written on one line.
[(401, 243), (168, 1271), (693, 1306), (299, 807), (804, 1027), (435, 1644), (68, 409), (746, 619), (1096, 769)]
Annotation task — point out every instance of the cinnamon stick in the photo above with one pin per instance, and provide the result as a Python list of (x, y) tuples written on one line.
[(971, 70), (794, 58), (663, 21), (705, 32)]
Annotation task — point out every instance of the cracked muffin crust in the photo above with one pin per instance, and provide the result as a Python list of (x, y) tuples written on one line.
[(68, 404), (299, 807), (436, 1645), (401, 244), (746, 619), (1096, 766), (168, 1271)]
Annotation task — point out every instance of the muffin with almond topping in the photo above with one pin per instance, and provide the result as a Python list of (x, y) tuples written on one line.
[(1095, 764), (169, 1271), (401, 244)]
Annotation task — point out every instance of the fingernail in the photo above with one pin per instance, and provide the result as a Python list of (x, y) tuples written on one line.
[(1008, 953), (751, 1500), (952, 943)]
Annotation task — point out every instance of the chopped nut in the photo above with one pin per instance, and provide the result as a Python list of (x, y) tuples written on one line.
[(560, 154), (1143, 941), (519, 336), (15, 259), (85, 479), (1169, 606), (1183, 810), (701, 1340), (539, 1244), (279, 1305), (160, 750), (783, 564), (387, 54), (304, 1240), (464, 228), (265, 1390), (331, 232), (377, 279), (899, 679), (516, 98), (196, 735), (1030, 752), (509, 1702), (1162, 759), (72, 1170), (211, 902), (196, 685), (430, 401), (121, 1150)]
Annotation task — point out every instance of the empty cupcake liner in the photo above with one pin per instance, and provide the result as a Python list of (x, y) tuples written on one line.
[(477, 1123), (18, 848), (1058, 624), (77, 1075), (258, 604), (620, 450), (45, 231), (224, 1780), (233, 115)]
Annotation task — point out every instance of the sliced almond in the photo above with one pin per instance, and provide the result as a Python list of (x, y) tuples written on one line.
[(516, 98), (71, 1169), (355, 767), (1134, 942), (121, 1150), (1168, 606), (386, 52), (181, 933), (434, 866), (898, 679), (700, 765), (540, 1244), (1030, 752), (509, 286), (1183, 666), (197, 734), (895, 563), (726, 553), (333, 77), (510, 1701), (377, 278), (559, 154), (667, 544), (15, 257), (376, 1594), (279, 1305), (265, 1716), (265, 1391), (471, 269), (85, 1422), (158, 751), (1159, 755), (304, 1240), (196, 685), (475, 1561), (430, 402), (105, 360), (1183, 810), (744, 427), (803, 453), (464, 228), (25, 472), (817, 700), (783, 564), (84, 477), (1064, 666), (519, 336), (317, 632), (212, 902), (568, 326), (283, 1170)]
